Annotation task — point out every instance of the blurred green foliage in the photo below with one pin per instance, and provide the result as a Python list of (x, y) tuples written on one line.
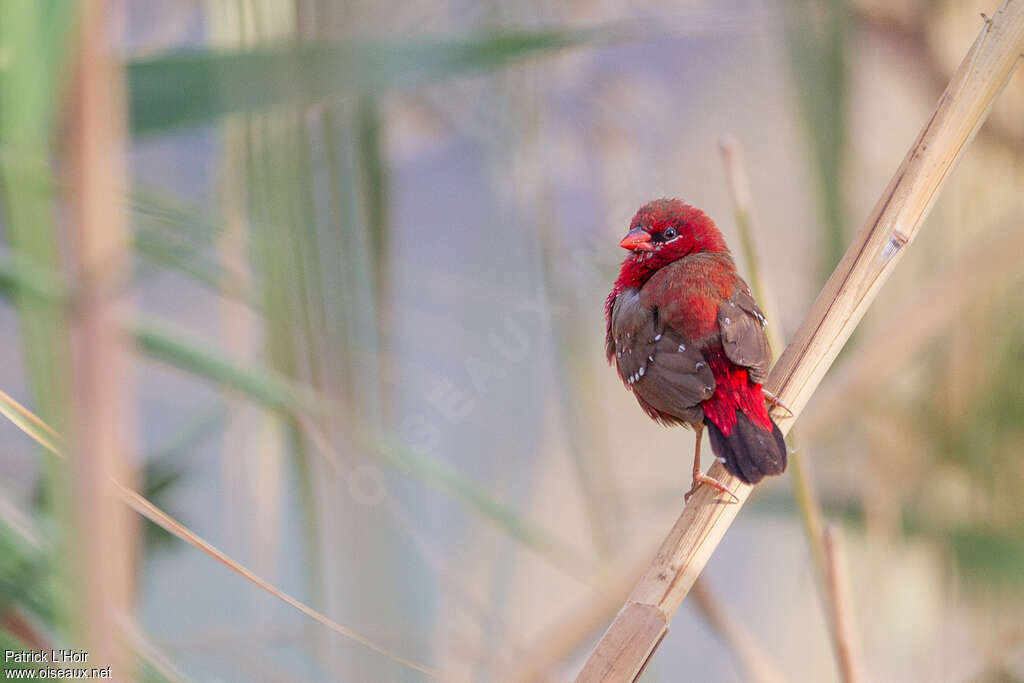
[(816, 31), (180, 89)]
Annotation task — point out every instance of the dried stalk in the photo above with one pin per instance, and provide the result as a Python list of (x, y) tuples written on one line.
[(983, 272), (803, 483), (892, 225), (19, 626), (154, 514), (583, 616), (844, 631), (759, 668), (49, 439), (607, 591), (104, 543)]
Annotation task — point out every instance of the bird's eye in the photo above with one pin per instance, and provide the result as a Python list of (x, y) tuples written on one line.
[(671, 234)]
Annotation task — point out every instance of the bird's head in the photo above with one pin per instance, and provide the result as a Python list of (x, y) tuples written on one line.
[(664, 231)]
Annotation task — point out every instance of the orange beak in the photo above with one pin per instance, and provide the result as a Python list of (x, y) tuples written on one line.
[(637, 240)]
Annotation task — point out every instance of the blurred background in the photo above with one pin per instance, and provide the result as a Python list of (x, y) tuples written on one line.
[(347, 263)]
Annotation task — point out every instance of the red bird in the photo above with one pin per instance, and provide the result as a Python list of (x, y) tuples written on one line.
[(688, 339)]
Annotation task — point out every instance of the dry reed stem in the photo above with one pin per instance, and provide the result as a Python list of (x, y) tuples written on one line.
[(102, 417), (249, 468), (15, 623), (154, 514), (582, 617), (758, 666), (803, 483), (565, 634), (844, 630), (153, 656), (992, 264), (28, 422), (892, 225), (49, 439), (737, 179), (804, 492), (452, 578)]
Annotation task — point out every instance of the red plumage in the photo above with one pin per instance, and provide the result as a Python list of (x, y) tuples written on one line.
[(688, 339), (734, 392)]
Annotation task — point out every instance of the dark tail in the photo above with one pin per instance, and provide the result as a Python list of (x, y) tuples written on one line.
[(749, 452)]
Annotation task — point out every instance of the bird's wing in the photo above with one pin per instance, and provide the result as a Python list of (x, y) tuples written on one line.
[(668, 374), (742, 325)]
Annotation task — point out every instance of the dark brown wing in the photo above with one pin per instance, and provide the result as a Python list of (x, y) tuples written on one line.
[(668, 375), (743, 333)]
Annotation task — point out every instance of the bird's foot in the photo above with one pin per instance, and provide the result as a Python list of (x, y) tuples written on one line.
[(699, 479), (774, 402)]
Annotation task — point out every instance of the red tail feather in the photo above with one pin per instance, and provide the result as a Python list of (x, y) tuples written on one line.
[(733, 391), (742, 433)]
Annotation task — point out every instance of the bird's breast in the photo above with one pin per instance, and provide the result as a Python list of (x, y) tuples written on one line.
[(688, 293), (695, 317)]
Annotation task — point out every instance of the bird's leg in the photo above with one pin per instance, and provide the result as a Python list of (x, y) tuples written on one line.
[(701, 478), (774, 402)]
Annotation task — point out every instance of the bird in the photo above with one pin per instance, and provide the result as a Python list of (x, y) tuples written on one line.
[(687, 338)]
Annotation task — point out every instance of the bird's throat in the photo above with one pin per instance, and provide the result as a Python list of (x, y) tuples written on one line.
[(638, 267)]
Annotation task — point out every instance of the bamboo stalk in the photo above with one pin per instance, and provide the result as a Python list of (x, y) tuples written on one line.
[(892, 225), (844, 630), (104, 542)]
